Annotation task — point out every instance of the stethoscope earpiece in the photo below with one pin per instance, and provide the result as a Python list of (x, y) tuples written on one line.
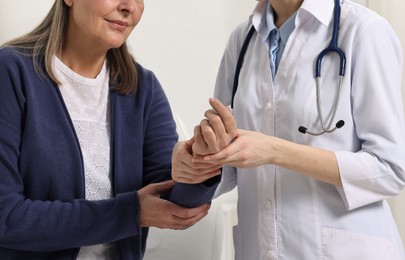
[(340, 124), (302, 129)]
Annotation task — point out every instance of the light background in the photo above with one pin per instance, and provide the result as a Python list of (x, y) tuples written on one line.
[(182, 42)]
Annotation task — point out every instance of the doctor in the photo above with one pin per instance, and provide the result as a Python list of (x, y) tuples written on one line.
[(308, 189)]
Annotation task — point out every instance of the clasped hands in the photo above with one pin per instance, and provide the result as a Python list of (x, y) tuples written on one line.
[(214, 133), (217, 142)]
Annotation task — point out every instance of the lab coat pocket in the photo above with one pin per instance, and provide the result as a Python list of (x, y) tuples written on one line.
[(340, 244)]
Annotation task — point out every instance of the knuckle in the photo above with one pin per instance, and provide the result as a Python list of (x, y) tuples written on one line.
[(216, 120)]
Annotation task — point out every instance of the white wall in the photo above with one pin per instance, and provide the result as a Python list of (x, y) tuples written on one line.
[(19, 16), (182, 42)]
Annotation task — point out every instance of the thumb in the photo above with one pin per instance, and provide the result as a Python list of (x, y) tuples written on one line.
[(161, 187), (191, 141)]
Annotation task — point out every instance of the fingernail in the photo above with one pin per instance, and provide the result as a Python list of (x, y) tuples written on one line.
[(230, 109)]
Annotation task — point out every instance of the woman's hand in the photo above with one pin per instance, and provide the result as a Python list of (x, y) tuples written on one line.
[(216, 131), (249, 149), (157, 212), (185, 170)]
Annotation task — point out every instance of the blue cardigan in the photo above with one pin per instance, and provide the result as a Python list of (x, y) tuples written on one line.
[(43, 213)]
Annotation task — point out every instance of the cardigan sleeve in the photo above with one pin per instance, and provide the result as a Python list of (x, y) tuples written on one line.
[(160, 138)]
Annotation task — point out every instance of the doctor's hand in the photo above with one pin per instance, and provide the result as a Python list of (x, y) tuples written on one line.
[(216, 131), (185, 170), (157, 212), (249, 149)]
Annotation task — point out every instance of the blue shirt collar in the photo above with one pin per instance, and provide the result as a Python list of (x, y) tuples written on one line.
[(286, 29), (263, 21)]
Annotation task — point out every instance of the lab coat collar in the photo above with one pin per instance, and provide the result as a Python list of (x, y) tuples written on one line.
[(320, 9), (258, 18)]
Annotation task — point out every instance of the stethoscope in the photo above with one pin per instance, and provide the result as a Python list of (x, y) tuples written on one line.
[(327, 127)]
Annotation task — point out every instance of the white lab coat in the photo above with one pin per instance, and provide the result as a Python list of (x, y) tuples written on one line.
[(285, 215)]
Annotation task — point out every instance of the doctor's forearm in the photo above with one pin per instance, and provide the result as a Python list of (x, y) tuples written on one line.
[(312, 162)]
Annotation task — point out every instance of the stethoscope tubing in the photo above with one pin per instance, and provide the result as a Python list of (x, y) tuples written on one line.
[(332, 47), (328, 128)]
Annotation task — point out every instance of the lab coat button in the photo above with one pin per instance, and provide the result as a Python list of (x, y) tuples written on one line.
[(268, 105), (267, 204)]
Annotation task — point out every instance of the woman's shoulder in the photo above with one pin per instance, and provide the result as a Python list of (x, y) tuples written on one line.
[(18, 64), (143, 70), (10, 56), (145, 75), (6, 51), (12, 52)]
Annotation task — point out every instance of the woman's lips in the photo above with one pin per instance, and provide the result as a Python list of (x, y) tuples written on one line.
[(118, 25)]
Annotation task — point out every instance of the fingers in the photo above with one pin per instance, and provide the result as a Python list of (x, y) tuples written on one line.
[(172, 216), (226, 116), (200, 146), (194, 172), (214, 134), (158, 212), (216, 131), (197, 178), (188, 213), (221, 120), (161, 187), (197, 171), (224, 157), (185, 170), (183, 218), (215, 124), (219, 129)]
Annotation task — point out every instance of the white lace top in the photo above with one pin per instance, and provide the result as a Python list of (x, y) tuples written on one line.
[(87, 102)]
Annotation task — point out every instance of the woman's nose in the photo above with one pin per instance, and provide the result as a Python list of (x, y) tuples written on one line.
[(127, 6)]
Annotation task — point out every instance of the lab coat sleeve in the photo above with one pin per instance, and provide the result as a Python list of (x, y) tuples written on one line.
[(228, 181), (376, 171)]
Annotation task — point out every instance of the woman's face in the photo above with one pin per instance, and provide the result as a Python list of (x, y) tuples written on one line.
[(103, 24)]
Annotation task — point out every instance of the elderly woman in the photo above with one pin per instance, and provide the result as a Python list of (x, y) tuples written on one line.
[(86, 138)]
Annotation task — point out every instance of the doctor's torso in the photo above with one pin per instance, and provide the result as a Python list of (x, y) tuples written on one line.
[(285, 215)]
